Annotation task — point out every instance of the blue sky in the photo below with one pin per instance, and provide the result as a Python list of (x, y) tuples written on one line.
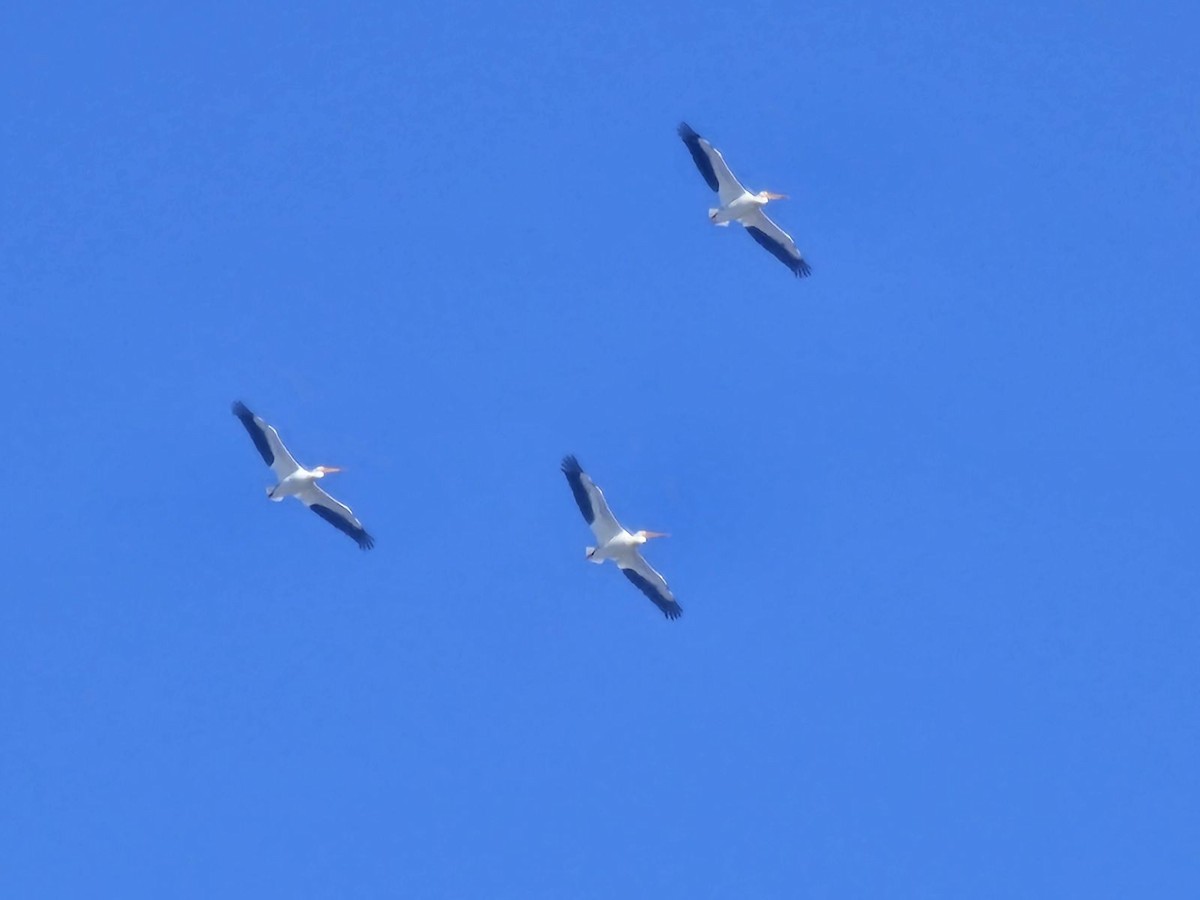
[(934, 509)]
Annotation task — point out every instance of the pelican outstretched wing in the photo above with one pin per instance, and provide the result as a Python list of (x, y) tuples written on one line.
[(337, 514), (266, 439), (712, 166), (651, 584), (777, 241), (591, 502)]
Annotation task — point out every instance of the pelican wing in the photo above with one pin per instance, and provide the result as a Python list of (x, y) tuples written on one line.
[(591, 502), (650, 583), (712, 166), (336, 514), (777, 241), (266, 439)]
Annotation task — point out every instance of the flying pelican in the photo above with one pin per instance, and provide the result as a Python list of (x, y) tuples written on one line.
[(739, 205), (615, 542), (299, 482)]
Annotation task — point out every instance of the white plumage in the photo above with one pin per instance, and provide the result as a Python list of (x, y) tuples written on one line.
[(615, 543), (739, 205), (296, 481)]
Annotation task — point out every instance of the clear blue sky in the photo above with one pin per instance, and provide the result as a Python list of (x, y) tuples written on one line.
[(934, 510)]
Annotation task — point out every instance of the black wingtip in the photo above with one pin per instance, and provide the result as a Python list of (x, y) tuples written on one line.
[(358, 535), (574, 472), (260, 441), (800, 268), (670, 608), (692, 141)]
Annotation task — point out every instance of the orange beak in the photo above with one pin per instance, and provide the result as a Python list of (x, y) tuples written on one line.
[(328, 469), (650, 534), (771, 196)]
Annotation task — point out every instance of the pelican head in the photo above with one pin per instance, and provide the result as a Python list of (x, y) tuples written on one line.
[(764, 196), (322, 471), (643, 536)]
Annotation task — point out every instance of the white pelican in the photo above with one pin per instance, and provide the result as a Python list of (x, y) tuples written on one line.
[(739, 205), (299, 482), (615, 542)]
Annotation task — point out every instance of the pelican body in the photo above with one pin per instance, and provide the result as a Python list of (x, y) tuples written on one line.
[(620, 547), (296, 481), (741, 206), (614, 542), (299, 482)]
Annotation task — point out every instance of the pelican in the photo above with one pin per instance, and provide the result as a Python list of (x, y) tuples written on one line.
[(739, 205), (615, 542), (299, 482)]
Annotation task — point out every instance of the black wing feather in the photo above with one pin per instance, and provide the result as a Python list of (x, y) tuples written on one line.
[(574, 473), (256, 433), (670, 608), (692, 140), (780, 252), (364, 540)]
